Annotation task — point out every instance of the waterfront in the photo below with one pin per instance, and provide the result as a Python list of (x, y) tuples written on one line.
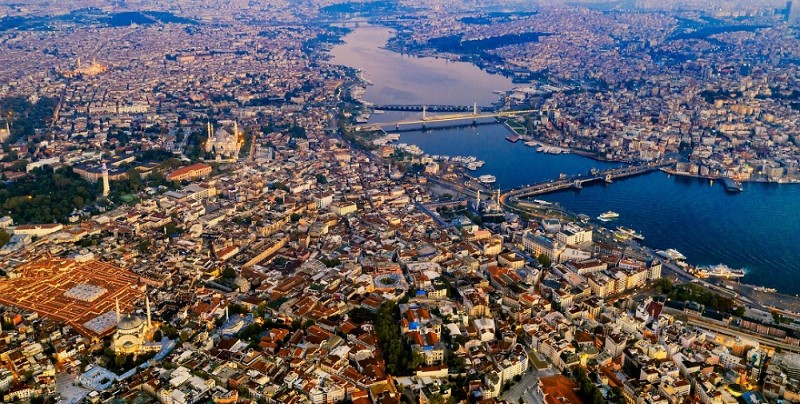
[(404, 79), (754, 230)]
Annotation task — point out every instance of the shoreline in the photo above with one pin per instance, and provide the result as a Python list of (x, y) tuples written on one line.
[(672, 171)]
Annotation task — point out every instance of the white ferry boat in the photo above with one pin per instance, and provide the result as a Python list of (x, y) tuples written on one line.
[(765, 289), (671, 254), (720, 271), (630, 232), (487, 179), (610, 215)]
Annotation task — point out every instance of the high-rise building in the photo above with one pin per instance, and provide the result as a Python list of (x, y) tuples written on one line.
[(793, 12)]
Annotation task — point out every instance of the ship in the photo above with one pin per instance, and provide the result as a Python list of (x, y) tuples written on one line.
[(671, 254), (487, 179), (765, 289), (720, 271), (630, 232), (608, 216), (541, 202)]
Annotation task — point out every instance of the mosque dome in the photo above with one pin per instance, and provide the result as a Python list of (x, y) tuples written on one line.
[(130, 322)]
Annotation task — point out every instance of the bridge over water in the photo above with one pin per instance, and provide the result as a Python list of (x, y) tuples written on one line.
[(434, 108), (577, 181)]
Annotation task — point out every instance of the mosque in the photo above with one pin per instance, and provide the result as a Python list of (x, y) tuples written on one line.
[(222, 143), (134, 333)]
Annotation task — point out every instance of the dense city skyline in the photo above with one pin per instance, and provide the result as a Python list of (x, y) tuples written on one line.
[(327, 201)]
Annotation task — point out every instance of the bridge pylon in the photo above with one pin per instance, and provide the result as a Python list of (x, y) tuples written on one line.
[(475, 108), (424, 111)]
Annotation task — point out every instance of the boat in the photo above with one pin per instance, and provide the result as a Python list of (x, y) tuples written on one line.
[(472, 166), (531, 144), (610, 215), (620, 236), (671, 254), (541, 202), (720, 271), (630, 232), (765, 289), (487, 179)]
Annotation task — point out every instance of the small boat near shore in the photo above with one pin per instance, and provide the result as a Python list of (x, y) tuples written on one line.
[(671, 254), (630, 233), (608, 216)]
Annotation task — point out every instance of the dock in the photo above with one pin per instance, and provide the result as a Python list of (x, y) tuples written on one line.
[(732, 185)]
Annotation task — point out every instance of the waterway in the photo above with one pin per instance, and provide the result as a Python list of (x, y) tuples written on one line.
[(403, 79), (757, 229)]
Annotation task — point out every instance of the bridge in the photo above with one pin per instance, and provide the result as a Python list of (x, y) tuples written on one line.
[(433, 108), (474, 116), (576, 181)]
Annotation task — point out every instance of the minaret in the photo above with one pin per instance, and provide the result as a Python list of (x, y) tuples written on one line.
[(106, 187), (147, 304), (478, 201), (118, 316)]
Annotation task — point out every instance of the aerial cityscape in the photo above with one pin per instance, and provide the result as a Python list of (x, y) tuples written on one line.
[(368, 201)]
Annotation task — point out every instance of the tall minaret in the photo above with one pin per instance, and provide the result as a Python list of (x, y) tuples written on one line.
[(118, 315), (147, 303), (106, 187), (478, 201)]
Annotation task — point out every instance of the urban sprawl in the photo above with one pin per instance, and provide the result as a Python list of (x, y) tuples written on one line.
[(194, 209)]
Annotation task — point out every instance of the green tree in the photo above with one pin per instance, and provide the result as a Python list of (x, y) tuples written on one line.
[(229, 273), (321, 179), (544, 260), (4, 237)]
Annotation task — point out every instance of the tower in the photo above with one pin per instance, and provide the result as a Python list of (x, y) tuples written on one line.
[(106, 187), (478, 201), (475, 108), (424, 112), (118, 316), (147, 304), (793, 14)]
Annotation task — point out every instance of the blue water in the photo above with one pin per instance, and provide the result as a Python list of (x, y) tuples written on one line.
[(758, 229)]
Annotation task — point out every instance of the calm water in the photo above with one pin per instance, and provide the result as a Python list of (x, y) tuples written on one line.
[(403, 79), (758, 229)]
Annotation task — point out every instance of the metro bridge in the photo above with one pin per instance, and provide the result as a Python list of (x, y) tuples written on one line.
[(473, 116)]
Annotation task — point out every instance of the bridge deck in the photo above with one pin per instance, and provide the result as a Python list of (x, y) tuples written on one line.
[(547, 187)]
